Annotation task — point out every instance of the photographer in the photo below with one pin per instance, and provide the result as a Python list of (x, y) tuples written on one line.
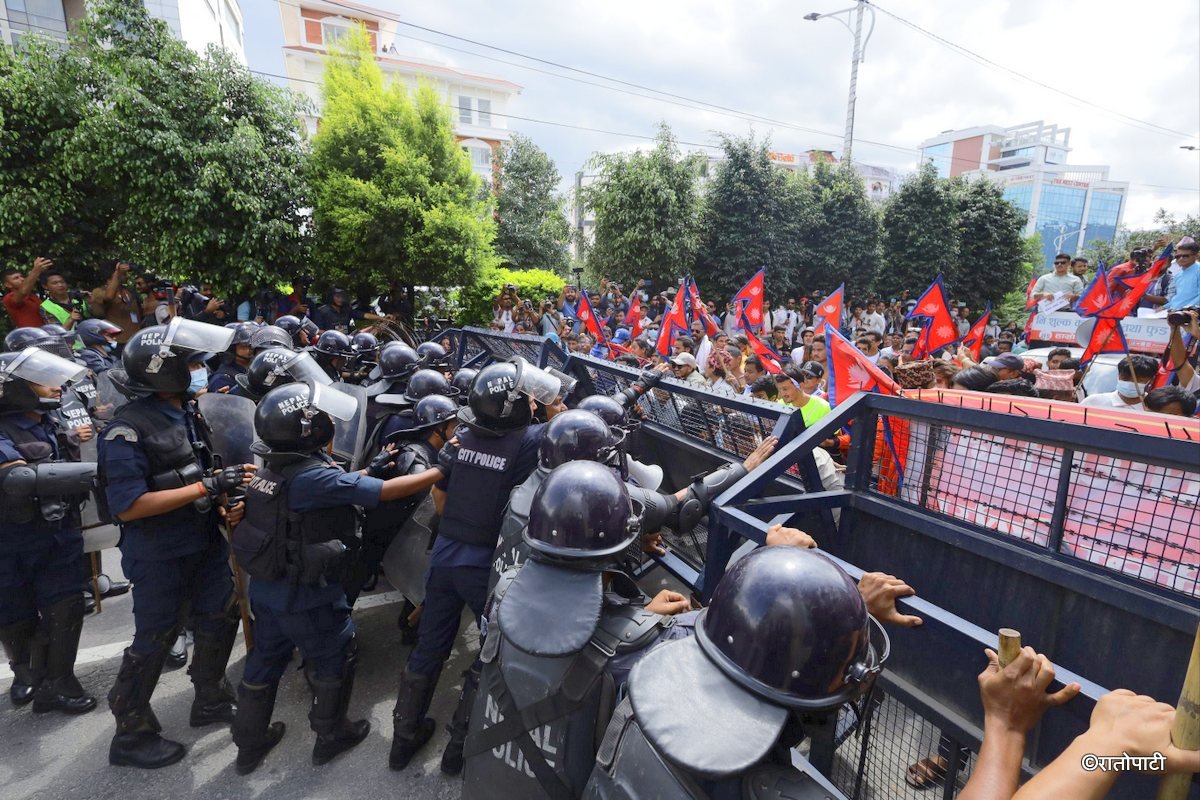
[(20, 300), (201, 305), (61, 306), (568, 306), (1140, 260), (1185, 358), (116, 303), (504, 307), (550, 319)]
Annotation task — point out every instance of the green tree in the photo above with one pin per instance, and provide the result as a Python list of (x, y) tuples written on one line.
[(990, 246), (920, 237), (531, 229), (1126, 240), (395, 199), (647, 210), (129, 144), (844, 232)]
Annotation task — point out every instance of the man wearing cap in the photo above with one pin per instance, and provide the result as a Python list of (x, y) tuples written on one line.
[(1061, 281), (684, 367), (1007, 366)]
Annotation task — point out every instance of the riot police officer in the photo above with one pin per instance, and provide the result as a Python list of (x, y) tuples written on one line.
[(786, 641), (396, 362), (462, 382), (299, 517), (333, 352), (235, 360), (366, 353), (553, 635), (274, 367), (270, 336), (433, 356), (99, 339), (40, 537), (295, 329), (497, 451), (164, 490)]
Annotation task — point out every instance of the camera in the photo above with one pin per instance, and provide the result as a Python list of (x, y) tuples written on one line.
[(191, 302), (162, 290), (1183, 316), (1140, 256)]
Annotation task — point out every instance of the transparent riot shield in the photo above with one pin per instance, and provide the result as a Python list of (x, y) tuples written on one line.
[(407, 558), (231, 420), (349, 435)]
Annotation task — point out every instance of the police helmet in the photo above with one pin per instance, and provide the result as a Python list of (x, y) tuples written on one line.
[(426, 382), (606, 408), (397, 361), (496, 403), (309, 327), (432, 411), (581, 511), (575, 435), (333, 344), (20, 371), (20, 338), (298, 417), (432, 355), (366, 346), (270, 336), (462, 381), (277, 366), (96, 331), (243, 332), (291, 324), (66, 337), (159, 358), (790, 626)]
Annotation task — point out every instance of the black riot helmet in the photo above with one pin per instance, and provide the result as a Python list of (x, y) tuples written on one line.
[(426, 382), (65, 337), (497, 402), (606, 408), (19, 339), (397, 361), (462, 381), (432, 355), (575, 435), (432, 411), (243, 332), (292, 325), (298, 417), (581, 511), (159, 358), (276, 366), (365, 345), (20, 371), (333, 344), (790, 626), (269, 336), (96, 331)]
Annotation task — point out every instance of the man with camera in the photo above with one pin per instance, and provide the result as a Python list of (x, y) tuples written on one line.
[(1140, 260), (1185, 358), (62, 306), (20, 299), (118, 304)]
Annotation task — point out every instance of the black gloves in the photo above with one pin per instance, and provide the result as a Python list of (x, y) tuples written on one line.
[(446, 458), (221, 481), (383, 465)]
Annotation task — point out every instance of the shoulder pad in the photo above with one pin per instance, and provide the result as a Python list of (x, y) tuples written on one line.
[(404, 461), (632, 626), (120, 430)]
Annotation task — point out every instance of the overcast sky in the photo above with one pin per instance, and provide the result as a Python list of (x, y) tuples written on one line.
[(761, 58)]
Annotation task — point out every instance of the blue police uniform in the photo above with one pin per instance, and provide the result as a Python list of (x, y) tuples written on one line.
[(225, 377), (96, 360)]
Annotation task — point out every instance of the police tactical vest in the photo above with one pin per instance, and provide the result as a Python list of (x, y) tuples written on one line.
[(272, 542), (479, 487), (50, 513), (545, 696)]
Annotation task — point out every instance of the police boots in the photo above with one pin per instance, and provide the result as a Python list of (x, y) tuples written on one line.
[(138, 743), (411, 729), (331, 699), (60, 689), (215, 701), (452, 756), (253, 732), (20, 645)]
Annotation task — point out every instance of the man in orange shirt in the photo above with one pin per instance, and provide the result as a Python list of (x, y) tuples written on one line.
[(22, 304)]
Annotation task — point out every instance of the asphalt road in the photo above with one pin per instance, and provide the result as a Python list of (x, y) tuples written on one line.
[(55, 757)]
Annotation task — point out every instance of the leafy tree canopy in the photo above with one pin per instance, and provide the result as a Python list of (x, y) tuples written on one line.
[(531, 229)]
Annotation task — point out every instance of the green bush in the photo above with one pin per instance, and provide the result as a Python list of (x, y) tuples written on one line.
[(534, 285)]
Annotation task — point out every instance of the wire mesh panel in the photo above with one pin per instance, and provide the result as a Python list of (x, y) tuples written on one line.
[(503, 346), (884, 754), (1135, 518)]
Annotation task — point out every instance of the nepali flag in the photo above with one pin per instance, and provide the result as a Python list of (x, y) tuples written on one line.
[(850, 371), (674, 323), (1107, 337), (634, 317), (1135, 287), (588, 317), (939, 329), (699, 310), (766, 356), (748, 302), (1029, 301), (830, 310), (1095, 297), (973, 341)]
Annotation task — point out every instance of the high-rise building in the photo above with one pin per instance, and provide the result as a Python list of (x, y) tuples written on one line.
[(1070, 205), (478, 102), (199, 23)]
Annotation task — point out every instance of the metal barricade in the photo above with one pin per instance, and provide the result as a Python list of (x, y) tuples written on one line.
[(479, 346)]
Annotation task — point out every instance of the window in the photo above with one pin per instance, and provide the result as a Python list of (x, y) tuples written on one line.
[(940, 155), (465, 117), (481, 158), (232, 24), (333, 31), (485, 112)]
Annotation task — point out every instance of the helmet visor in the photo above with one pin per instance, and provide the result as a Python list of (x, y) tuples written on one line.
[(44, 369), (537, 383), (199, 337), (304, 368), (338, 405)]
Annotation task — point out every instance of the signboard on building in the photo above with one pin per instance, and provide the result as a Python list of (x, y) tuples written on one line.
[(1144, 334)]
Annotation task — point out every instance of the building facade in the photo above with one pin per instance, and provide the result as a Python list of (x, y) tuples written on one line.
[(1070, 205), (478, 103), (198, 23)]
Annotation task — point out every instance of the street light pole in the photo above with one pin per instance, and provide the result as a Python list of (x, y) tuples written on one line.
[(857, 57)]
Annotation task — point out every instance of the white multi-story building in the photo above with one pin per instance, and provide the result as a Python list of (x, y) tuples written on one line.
[(479, 103), (1068, 204), (199, 23)]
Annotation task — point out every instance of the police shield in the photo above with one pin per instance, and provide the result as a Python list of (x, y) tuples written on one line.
[(97, 535), (110, 394), (231, 420), (349, 435), (407, 558)]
